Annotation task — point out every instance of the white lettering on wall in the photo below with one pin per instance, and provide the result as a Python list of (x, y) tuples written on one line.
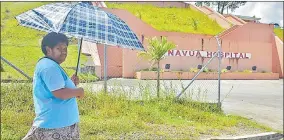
[(229, 55)]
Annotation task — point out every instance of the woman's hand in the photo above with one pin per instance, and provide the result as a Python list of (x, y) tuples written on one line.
[(81, 95), (75, 79)]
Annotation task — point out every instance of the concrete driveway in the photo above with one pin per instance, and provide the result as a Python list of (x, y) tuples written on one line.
[(260, 100)]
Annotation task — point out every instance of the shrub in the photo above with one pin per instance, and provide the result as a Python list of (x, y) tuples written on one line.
[(224, 70), (193, 70), (247, 71)]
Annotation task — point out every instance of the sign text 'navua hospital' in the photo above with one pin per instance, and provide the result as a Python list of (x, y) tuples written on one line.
[(230, 55)]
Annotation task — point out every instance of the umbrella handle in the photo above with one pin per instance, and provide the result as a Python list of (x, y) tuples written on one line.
[(79, 54)]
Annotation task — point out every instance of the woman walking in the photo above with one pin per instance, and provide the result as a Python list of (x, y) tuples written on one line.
[(54, 94)]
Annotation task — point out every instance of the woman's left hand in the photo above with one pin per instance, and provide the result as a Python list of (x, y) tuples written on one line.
[(75, 79)]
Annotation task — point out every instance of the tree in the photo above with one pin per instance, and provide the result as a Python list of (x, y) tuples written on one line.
[(202, 3), (222, 5), (155, 53), (233, 5)]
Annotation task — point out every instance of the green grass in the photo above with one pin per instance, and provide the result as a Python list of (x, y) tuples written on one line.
[(279, 33), (21, 45), (112, 117), (172, 19)]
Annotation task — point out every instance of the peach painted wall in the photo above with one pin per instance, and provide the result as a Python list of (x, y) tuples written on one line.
[(261, 58), (277, 52), (252, 32), (206, 10), (234, 21), (251, 38), (261, 55), (114, 60), (132, 63), (192, 6), (220, 19), (279, 46), (206, 76)]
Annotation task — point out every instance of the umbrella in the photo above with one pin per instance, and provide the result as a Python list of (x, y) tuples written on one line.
[(83, 21)]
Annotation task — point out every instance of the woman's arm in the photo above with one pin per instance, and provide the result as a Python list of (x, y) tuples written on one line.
[(67, 93)]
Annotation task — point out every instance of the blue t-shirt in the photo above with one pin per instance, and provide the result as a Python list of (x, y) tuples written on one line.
[(52, 112)]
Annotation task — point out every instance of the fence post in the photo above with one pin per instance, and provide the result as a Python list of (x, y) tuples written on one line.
[(219, 72), (105, 68)]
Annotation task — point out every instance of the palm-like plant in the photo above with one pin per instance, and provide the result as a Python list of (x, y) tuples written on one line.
[(155, 53)]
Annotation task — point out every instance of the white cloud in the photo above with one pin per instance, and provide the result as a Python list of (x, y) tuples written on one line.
[(267, 11)]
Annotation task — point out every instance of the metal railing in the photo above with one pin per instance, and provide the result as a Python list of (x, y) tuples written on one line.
[(218, 54), (16, 68)]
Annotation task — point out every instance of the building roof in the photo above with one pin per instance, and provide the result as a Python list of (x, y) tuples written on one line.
[(247, 18)]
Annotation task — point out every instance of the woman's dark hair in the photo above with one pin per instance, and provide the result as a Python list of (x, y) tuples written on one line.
[(52, 39)]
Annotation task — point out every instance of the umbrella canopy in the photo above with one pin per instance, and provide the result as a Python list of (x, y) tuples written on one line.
[(81, 20)]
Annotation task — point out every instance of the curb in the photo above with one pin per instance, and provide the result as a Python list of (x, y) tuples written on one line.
[(261, 136)]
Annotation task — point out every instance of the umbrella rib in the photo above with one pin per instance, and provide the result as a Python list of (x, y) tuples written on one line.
[(58, 30), (46, 24), (102, 27)]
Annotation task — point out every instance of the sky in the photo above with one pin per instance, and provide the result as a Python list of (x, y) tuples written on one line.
[(268, 11)]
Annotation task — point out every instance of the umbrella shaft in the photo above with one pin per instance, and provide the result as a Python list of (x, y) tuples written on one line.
[(79, 54)]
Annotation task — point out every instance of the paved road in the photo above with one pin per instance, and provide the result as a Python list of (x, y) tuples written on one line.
[(261, 100)]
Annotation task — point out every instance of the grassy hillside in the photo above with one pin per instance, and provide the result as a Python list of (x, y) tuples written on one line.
[(103, 116), (172, 19), (21, 45), (279, 33)]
